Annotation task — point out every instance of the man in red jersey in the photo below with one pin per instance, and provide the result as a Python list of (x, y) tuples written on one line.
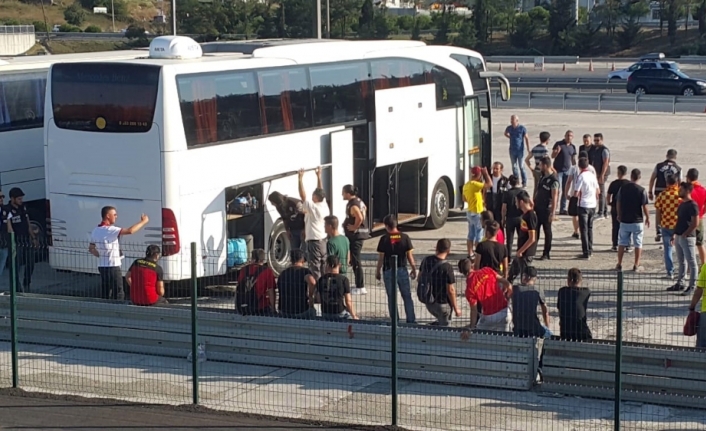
[(699, 196), (145, 279), (491, 291)]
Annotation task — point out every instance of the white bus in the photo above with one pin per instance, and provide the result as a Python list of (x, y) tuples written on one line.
[(179, 135), (22, 85)]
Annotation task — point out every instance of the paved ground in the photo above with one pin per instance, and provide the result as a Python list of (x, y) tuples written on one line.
[(30, 412)]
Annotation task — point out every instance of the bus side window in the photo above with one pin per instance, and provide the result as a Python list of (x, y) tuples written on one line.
[(22, 101), (449, 88), (284, 103), (338, 92)]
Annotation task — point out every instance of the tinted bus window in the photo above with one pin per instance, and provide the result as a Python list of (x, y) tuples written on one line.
[(22, 101), (474, 66), (218, 107), (395, 72), (449, 88), (104, 97), (284, 100), (338, 92)]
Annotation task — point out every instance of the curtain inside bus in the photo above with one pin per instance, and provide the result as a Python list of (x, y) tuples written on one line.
[(205, 110)]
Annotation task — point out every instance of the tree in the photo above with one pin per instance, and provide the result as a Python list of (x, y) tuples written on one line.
[(671, 13), (466, 35), (366, 22), (525, 31), (344, 14), (443, 27), (481, 13), (383, 25), (562, 22), (92, 29), (631, 30), (74, 14), (39, 26), (699, 13)]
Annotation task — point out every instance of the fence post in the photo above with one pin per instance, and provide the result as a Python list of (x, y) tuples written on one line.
[(194, 329), (13, 309), (637, 97), (674, 105), (393, 339), (529, 100), (600, 98), (618, 354), (563, 101)]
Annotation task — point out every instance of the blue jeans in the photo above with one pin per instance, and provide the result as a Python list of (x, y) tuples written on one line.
[(667, 235), (686, 254), (517, 161), (4, 252), (403, 283), (475, 228), (563, 178)]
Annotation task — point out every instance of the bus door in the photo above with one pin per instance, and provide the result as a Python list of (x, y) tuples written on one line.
[(472, 135), (341, 170)]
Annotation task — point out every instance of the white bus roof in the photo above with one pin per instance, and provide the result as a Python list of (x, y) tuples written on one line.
[(9, 64)]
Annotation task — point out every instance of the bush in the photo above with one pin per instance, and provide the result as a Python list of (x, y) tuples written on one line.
[(75, 14), (135, 32), (93, 29), (10, 21), (68, 28), (39, 26)]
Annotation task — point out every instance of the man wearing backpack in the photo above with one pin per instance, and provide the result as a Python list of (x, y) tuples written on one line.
[(334, 291), (297, 289), (435, 285), (255, 294)]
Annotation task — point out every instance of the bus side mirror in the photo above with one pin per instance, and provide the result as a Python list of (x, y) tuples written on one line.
[(502, 80)]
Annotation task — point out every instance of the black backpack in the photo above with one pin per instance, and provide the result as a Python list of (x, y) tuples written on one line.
[(245, 294), (330, 292), (425, 289)]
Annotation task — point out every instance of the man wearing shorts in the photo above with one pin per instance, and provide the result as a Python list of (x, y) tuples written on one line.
[(473, 192), (633, 216), (699, 197)]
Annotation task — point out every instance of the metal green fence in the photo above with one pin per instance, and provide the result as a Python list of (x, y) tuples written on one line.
[(638, 373)]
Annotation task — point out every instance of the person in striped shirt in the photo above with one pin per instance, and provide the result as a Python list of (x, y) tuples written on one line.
[(536, 154), (666, 217)]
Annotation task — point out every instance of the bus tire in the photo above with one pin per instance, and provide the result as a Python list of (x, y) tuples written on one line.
[(439, 205), (280, 246)]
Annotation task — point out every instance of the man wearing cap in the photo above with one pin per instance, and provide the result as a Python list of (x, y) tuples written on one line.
[(658, 180), (18, 222), (105, 246), (315, 211), (145, 278), (473, 192)]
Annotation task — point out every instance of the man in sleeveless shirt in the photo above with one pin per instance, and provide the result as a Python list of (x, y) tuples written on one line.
[(658, 180)]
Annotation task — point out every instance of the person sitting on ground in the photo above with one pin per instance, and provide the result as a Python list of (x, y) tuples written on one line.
[(256, 283), (334, 291), (572, 302), (145, 278), (487, 216), (491, 291), (297, 289), (436, 285), (525, 299), (491, 252)]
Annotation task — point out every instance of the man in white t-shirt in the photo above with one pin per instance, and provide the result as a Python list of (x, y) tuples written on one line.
[(106, 247), (315, 210), (570, 189), (586, 189)]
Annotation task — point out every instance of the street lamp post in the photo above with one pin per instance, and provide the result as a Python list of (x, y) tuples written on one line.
[(174, 30), (112, 12)]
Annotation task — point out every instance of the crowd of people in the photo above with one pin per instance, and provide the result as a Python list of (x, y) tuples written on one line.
[(505, 224)]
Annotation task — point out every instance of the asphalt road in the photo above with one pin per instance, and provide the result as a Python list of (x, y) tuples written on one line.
[(29, 412), (576, 71)]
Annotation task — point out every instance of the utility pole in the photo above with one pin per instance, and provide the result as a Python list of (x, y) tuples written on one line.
[(328, 19), (174, 29), (318, 19), (112, 13), (576, 16)]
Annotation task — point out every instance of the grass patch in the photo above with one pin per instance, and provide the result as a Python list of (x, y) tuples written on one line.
[(28, 13), (75, 46)]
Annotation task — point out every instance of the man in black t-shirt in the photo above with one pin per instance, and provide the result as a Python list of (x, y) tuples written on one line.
[(564, 155), (545, 203), (490, 253), (684, 239), (297, 288), (526, 297), (398, 245), (613, 190), (292, 212), (334, 291), (634, 217), (511, 214), (442, 280), (4, 240), (527, 240), (17, 221), (658, 180)]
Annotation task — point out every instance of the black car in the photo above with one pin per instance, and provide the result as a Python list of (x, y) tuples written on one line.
[(664, 81)]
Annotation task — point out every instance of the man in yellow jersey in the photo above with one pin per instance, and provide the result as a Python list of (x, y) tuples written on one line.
[(698, 293), (473, 192)]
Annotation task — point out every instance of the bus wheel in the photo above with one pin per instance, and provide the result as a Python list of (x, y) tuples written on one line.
[(439, 205), (280, 245)]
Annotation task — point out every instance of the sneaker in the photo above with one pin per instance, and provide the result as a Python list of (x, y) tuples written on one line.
[(618, 267), (563, 212), (675, 288), (637, 268), (585, 256), (687, 292), (628, 249), (614, 248), (658, 238), (575, 236), (668, 277), (545, 257), (359, 291)]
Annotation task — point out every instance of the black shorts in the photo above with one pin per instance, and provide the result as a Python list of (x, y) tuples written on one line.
[(700, 233), (574, 206)]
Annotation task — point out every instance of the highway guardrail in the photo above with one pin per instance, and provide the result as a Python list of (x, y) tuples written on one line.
[(602, 102)]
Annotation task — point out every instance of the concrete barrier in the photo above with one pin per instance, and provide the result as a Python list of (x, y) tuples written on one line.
[(424, 354), (651, 374), (16, 39)]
